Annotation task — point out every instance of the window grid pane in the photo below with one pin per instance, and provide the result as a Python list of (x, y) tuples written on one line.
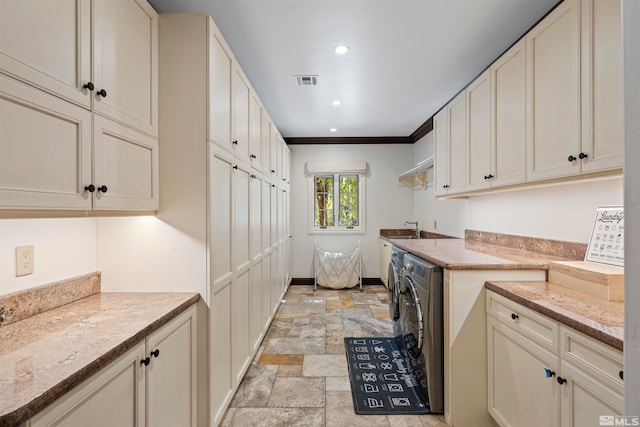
[(348, 201), (323, 201)]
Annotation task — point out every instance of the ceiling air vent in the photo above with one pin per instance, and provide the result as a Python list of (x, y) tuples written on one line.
[(310, 80)]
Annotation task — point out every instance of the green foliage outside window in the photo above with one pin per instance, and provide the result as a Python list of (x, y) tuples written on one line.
[(346, 192)]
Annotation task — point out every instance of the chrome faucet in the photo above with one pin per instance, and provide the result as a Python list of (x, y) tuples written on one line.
[(417, 229)]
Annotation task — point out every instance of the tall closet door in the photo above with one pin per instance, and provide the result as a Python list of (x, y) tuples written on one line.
[(256, 261), (220, 69), (241, 264), (240, 115), (220, 184)]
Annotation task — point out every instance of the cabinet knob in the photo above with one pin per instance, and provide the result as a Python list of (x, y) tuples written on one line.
[(235, 142), (102, 188), (235, 166), (571, 158), (253, 176), (89, 86), (102, 93), (582, 156), (489, 176), (621, 375), (145, 361), (273, 171), (273, 185), (253, 156), (561, 380), (90, 188), (514, 316), (549, 373), (155, 353)]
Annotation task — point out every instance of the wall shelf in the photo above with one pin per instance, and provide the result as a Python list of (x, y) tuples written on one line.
[(418, 176)]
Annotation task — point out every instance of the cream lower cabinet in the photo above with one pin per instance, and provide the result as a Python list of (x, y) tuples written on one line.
[(465, 343), (542, 373), (153, 384), (385, 259)]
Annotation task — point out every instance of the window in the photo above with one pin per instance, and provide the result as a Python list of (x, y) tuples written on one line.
[(337, 202)]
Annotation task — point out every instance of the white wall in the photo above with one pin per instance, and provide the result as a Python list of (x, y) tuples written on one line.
[(145, 254), (560, 212), (388, 204), (63, 248), (631, 36)]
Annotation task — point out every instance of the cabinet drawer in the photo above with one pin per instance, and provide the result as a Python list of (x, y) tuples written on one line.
[(538, 328), (595, 358)]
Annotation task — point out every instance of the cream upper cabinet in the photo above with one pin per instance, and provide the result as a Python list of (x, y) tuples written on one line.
[(450, 126), (508, 116), (241, 100), (220, 75), (480, 167), (52, 54), (441, 144), (116, 75), (265, 138), (125, 62), (553, 93), (56, 153), (602, 92), (255, 132), (126, 172), (458, 144)]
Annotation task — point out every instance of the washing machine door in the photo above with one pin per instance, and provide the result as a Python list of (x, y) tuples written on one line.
[(393, 279), (412, 322)]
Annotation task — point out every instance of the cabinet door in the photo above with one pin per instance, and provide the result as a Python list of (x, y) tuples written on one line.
[(221, 382), (256, 218), (266, 216), (458, 144), (115, 396), (553, 98), (266, 291), (255, 132), (276, 289), (125, 62), (171, 374), (480, 169), (602, 92), (220, 184), (441, 142), (273, 149), (240, 327), (220, 72), (240, 115), (508, 121), (52, 54), (255, 295), (385, 258), (520, 394), (274, 216), (265, 140), (584, 400), (126, 162), (45, 150)]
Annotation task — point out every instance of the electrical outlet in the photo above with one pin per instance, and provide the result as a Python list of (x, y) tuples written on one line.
[(435, 224), (24, 260)]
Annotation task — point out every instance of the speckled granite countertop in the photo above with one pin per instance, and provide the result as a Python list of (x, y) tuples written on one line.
[(595, 317), (45, 355), (464, 254)]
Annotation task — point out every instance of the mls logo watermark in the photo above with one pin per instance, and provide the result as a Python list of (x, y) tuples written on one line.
[(619, 420)]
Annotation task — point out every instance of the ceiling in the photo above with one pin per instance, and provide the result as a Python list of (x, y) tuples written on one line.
[(407, 58)]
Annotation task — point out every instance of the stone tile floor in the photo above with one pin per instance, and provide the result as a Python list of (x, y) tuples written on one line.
[(299, 376)]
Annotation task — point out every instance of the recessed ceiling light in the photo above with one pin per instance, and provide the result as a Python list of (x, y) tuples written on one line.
[(336, 102), (342, 49), (333, 130)]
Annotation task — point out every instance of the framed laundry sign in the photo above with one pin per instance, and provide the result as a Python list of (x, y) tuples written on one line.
[(606, 245)]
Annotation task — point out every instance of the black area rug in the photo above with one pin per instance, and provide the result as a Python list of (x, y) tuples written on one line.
[(382, 380)]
